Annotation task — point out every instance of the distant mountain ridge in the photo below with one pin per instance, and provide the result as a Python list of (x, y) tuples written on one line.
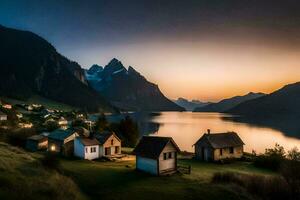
[(227, 104), (190, 105), (285, 101), (30, 65), (127, 89)]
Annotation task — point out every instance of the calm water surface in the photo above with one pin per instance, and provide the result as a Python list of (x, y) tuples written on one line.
[(187, 127)]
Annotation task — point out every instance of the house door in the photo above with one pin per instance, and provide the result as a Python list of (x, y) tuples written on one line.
[(206, 154), (107, 151)]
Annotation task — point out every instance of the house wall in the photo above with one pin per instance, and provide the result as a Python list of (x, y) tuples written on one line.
[(146, 164), (91, 155), (204, 152), (169, 163), (54, 145), (107, 144), (78, 149), (3, 117), (237, 153)]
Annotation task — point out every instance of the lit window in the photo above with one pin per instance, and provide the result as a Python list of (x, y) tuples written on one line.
[(52, 148)]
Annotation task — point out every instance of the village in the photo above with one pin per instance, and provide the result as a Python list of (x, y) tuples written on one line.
[(82, 145)]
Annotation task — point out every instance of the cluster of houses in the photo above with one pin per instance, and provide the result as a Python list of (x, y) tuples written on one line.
[(154, 155), (78, 142)]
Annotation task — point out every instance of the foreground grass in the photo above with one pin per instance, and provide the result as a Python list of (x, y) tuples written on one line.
[(119, 180), (23, 177)]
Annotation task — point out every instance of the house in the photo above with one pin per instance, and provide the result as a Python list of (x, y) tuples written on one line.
[(156, 155), (3, 116), (109, 144), (37, 142), (7, 106), (218, 146), (62, 141), (25, 125), (86, 148), (63, 123)]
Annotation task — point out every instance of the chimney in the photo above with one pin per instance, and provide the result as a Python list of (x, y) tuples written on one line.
[(208, 131)]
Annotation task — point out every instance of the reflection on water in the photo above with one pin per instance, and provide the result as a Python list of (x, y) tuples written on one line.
[(186, 128)]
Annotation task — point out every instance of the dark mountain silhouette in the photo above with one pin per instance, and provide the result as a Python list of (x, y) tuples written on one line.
[(190, 105), (227, 104), (128, 89), (30, 65), (285, 101)]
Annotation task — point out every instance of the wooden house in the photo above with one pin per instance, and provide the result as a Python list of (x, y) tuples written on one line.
[(109, 144), (3, 116), (86, 148), (37, 142), (218, 146), (62, 141), (156, 155)]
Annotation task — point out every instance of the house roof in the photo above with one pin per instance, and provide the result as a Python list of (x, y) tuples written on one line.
[(152, 146), (88, 141), (103, 136), (60, 134), (37, 137), (222, 140)]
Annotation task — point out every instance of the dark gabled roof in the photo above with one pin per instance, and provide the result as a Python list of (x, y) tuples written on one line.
[(60, 134), (37, 138), (88, 141), (103, 136), (152, 146), (221, 140)]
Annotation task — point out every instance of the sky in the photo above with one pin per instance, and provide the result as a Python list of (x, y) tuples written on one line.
[(197, 49)]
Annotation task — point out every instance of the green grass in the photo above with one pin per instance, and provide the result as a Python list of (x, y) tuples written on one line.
[(23, 177), (120, 180), (43, 101)]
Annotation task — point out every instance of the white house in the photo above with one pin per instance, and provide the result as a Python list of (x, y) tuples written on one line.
[(156, 155), (110, 144), (86, 148), (3, 116)]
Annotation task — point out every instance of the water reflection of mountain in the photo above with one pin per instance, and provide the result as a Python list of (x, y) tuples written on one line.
[(144, 120), (288, 125)]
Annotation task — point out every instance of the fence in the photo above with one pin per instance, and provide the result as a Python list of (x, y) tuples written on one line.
[(184, 169)]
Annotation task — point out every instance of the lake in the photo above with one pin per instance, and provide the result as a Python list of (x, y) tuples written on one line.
[(187, 127)]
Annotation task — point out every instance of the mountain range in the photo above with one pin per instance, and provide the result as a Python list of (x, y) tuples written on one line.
[(31, 66), (283, 102), (190, 105), (227, 104), (127, 89)]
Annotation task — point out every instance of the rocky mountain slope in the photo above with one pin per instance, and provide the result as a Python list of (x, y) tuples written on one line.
[(127, 89), (228, 104), (190, 105), (30, 65), (285, 101)]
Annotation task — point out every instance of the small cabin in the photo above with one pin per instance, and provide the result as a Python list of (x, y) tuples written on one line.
[(109, 144), (62, 141), (3, 116), (86, 148), (219, 146), (156, 155), (36, 143)]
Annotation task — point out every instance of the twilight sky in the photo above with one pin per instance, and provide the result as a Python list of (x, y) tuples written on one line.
[(198, 49)]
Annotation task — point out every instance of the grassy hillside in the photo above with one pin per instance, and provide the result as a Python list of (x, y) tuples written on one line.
[(23, 177), (119, 180)]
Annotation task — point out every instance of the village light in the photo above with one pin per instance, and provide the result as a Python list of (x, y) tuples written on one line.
[(52, 148)]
